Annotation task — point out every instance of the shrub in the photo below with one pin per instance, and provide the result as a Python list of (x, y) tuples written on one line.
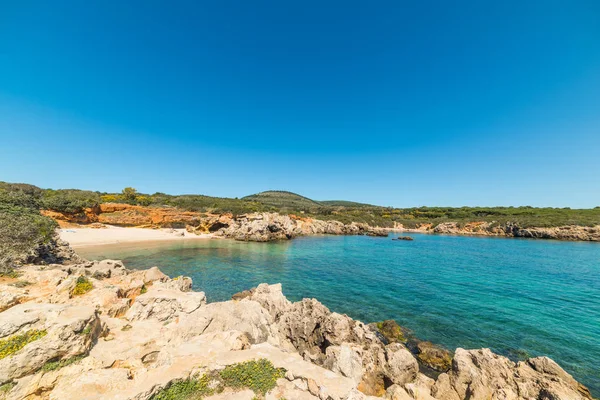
[(189, 389), (7, 387), (58, 364), (69, 201), (22, 233), (15, 343), (82, 286), (258, 375)]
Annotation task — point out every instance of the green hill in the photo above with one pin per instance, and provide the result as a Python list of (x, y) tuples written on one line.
[(344, 203), (282, 199)]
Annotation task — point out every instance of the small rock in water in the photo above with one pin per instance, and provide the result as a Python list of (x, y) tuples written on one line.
[(404, 238)]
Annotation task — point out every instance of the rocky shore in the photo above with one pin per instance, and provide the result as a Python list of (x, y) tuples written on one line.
[(263, 227), (569, 232), (95, 330), (256, 227)]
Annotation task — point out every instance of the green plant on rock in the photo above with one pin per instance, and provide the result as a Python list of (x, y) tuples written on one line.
[(189, 389), (10, 273), (58, 364), (7, 387), (13, 344), (82, 286), (258, 375), (86, 331)]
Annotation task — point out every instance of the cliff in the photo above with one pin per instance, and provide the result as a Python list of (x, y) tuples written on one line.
[(259, 227), (96, 330)]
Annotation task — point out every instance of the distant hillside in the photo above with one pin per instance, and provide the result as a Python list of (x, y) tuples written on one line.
[(13, 197), (344, 203), (282, 199)]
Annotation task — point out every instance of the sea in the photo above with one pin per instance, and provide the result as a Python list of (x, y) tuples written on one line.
[(519, 297)]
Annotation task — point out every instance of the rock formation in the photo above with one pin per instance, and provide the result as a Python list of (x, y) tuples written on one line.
[(130, 334), (568, 232), (255, 227)]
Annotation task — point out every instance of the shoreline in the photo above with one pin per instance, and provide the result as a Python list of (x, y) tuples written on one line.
[(110, 235), (136, 333)]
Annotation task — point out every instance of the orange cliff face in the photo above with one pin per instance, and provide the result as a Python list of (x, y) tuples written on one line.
[(130, 215)]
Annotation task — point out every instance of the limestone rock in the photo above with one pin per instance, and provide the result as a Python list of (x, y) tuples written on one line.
[(271, 298), (10, 296), (481, 374), (69, 331), (401, 366), (245, 316), (344, 360), (164, 304)]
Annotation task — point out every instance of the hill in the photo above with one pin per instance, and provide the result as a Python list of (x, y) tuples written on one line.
[(282, 200), (344, 203)]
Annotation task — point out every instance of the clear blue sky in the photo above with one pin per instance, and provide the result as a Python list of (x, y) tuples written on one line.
[(386, 102)]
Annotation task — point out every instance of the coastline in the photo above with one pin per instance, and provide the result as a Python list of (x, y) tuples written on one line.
[(99, 330), (87, 237)]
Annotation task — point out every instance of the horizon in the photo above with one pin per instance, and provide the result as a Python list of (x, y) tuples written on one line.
[(393, 105)]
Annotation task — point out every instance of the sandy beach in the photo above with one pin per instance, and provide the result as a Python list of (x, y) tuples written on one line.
[(80, 237)]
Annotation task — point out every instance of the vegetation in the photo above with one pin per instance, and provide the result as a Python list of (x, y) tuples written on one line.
[(7, 387), (23, 230), (21, 284), (391, 331), (260, 376), (69, 200), (82, 286), (283, 200), (13, 344), (189, 389), (58, 364)]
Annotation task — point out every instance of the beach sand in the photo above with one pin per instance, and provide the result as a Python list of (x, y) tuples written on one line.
[(84, 237)]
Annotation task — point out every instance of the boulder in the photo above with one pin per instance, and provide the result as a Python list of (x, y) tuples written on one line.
[(10, 296), (164, 304), (434, 357), (54, 332), (481, 375), (244, 316), (390, 330), (344, 360), (401, 366)]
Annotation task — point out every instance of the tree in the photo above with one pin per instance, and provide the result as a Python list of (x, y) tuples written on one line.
[(129, 194)]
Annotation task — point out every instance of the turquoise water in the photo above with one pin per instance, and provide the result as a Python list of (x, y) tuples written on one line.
[(512, 295)]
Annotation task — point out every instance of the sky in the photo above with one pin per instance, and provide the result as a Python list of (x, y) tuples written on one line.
[(393, 103)]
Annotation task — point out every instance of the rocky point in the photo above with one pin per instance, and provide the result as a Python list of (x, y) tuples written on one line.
[(96, 330)]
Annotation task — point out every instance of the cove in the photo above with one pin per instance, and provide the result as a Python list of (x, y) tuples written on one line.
[(518, 297)]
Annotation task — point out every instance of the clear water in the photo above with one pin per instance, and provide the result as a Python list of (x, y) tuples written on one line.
[(512, 295)]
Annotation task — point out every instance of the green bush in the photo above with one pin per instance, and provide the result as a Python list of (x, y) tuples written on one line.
[(82, 286), (69, 201), (58, 364), (22, 233), (189, 389), (258, 375), (13, 344)]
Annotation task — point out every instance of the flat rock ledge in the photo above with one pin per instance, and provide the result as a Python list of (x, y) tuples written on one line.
[(96, 330)]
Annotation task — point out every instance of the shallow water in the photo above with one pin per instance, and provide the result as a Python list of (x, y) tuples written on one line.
[(515, 296)]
